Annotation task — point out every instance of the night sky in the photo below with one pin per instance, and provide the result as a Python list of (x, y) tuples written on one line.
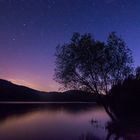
[(30, 30)]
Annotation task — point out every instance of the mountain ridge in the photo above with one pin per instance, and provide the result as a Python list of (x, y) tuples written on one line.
[(13, 92)]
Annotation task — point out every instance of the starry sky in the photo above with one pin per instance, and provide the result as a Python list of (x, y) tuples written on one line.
[(30, 30)]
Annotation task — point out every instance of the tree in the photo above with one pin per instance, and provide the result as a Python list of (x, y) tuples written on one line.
[(88, 64), (138, 72), (127, 93)]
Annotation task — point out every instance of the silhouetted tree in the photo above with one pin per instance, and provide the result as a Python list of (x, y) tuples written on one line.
[(138, 72), (124, 98), (87, 64)]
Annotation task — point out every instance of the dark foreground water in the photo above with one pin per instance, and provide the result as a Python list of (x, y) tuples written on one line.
[(74, 121)]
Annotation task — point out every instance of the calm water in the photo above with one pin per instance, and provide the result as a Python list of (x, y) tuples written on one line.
[(53, 122)]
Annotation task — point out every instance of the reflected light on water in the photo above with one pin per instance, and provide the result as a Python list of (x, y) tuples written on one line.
[(53, 122)]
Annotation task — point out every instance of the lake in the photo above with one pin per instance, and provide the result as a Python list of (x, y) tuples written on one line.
[(54, 121)]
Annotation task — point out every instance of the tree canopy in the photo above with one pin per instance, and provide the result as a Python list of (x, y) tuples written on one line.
[(92, 65)]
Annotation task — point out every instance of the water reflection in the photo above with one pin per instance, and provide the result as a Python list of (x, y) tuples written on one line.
[(58, 122), (88, 136), (20, 109)]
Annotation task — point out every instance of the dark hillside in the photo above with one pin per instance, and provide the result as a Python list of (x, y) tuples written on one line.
[(13, 92)]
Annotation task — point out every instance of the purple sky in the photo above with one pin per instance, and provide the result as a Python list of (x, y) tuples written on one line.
[(30, 30)]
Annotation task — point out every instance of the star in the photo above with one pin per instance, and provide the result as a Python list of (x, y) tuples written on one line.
[(13, 39), (24, 24)]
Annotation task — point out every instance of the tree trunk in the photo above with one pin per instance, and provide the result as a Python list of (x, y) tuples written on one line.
[(106, 107)]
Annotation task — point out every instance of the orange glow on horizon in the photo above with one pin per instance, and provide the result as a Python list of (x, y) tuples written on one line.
[(28, 84)]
